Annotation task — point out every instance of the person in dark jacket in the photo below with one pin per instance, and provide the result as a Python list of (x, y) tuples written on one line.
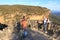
[(19, 27), (39, 25)]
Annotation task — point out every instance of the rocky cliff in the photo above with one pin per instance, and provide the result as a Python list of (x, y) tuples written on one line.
[(10, 14)]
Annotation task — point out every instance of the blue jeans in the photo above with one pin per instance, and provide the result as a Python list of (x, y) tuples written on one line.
[(24, 33)]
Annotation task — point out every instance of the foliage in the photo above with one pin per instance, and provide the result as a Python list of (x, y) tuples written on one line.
[(54, 18), (9, 9)]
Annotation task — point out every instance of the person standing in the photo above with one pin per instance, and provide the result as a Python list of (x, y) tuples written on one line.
[(48, 21), (45, 25), (39, 25), (24, 26)]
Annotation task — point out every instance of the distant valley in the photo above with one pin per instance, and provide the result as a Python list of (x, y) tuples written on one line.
[(55, 16), (56, 13)]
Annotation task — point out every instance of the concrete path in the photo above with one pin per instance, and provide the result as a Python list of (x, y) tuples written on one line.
[(32, 35)]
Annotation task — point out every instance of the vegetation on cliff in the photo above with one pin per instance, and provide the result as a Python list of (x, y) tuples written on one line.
[(9, 9), (17, 11)]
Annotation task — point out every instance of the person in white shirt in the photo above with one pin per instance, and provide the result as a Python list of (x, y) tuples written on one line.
[(45, 25)]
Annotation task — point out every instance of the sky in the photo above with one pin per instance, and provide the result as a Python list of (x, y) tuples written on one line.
[(51, 4)]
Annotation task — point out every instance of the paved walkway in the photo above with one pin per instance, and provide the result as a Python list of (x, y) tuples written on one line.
[(48, 36), (32, 35)]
